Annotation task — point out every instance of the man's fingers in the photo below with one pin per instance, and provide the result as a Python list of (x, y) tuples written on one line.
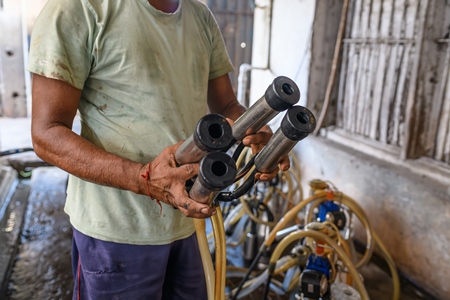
[(230, 121), (170, 150), (193, 209), (257, 138), (187, 171), (267, 176), (285, 163)]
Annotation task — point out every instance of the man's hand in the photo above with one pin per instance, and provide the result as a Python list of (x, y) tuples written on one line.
[(165, 182), (222, 100), (257, 141)]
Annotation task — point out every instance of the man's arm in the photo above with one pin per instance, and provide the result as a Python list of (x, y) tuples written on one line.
[(54, 107), (222, 100)]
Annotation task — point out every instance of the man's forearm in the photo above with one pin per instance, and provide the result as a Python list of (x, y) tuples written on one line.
[(61, 147), (233, 111)]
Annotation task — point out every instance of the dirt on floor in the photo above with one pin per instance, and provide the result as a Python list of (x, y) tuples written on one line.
[(42, 267)]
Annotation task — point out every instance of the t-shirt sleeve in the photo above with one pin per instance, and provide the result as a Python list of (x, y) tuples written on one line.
[(60, 42), (220, 63)]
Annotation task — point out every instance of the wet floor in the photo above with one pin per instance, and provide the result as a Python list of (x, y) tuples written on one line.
[(42, 267)]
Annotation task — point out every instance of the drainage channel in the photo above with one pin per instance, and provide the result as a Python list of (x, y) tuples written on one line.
[(38, 236)]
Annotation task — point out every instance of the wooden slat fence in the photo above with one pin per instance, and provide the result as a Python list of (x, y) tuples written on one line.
[(378, 56), (442, 140)]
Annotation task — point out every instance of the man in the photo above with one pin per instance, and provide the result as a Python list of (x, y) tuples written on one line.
[(139, 72)]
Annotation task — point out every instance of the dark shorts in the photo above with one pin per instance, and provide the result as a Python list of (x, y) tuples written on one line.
[(107, 270)]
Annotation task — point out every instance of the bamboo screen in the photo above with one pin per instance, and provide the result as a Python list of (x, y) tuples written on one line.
[(442, 141), (378, 60)]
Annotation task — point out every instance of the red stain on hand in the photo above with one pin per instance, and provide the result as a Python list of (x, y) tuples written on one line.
[(146, 176)]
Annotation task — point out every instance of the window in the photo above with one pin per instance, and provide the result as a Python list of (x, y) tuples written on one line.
[(393, 90)]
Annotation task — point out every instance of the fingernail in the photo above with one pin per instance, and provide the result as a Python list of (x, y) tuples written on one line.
[(204, 210)]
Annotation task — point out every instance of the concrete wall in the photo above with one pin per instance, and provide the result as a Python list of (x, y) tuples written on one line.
[(408, 209), (16, 22), (409, 212), (12, 55)]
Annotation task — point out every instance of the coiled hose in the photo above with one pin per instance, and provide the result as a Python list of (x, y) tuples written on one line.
[(295, 236)]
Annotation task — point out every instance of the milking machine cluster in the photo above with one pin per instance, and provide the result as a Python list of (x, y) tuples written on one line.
[(214, 136), (295, 247)]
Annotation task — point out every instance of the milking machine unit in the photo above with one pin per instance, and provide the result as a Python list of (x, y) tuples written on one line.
[(208, 144), (307, 257), (315, 255), (303, 249)]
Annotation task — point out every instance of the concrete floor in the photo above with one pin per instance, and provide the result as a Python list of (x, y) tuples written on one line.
[(37, 235), (42, 268)]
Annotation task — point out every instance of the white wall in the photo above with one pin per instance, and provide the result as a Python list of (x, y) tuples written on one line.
[(32, 8), (286, 39)]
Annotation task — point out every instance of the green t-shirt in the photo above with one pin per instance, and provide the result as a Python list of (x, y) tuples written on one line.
[(144, 76)]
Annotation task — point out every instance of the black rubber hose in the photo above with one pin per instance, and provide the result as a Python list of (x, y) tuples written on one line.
[(246, 168), (15, 151), (240, 191), (238, 151), (267, 287), (247, 275)]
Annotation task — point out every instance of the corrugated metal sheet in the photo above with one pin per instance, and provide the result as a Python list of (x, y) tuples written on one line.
[(235, 19)]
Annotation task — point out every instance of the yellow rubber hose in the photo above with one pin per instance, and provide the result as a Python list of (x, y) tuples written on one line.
[(394, 274), (295, 236), (221, 255), (200, 229), (355, 208), (289, 216)]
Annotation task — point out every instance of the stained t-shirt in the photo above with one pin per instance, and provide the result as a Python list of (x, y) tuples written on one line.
[(143, 75)]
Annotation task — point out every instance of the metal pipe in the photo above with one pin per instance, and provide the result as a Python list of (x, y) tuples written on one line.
[(297, 124), (217, 171), (244, 69), (212, 133), (279, 96)]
